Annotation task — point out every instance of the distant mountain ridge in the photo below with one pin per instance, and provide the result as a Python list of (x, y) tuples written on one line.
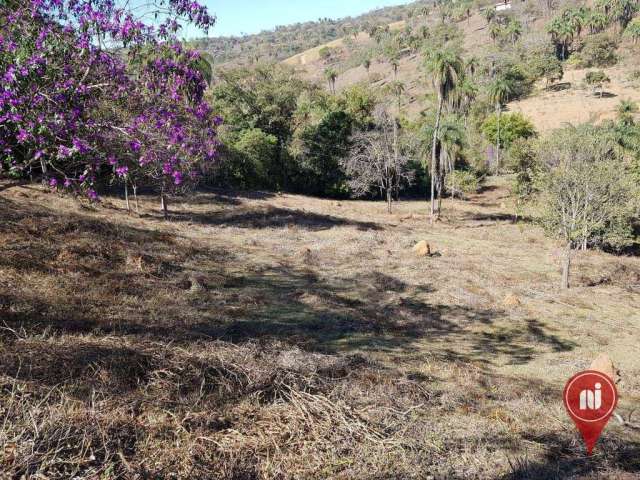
[(286, 41)]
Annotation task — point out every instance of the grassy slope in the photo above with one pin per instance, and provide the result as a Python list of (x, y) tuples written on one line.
[(571, 102), (258, 336)]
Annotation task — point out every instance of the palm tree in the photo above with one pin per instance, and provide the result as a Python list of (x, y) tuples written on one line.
[(633, 30), (446, 68), (397, 88), (499, 91), (621, 11), (395, 64), (495, 31), (596, 21), (463, 97), (331, 75), (514, 30), (452, 139), (576, 19), (471, 66), (490, 15), (561, 33)]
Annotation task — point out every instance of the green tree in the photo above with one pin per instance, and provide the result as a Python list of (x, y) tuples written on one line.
[(633, 30), (321, 147), (254, 152), (359, 102), (596, 80), (626, 111), (597, 51), (587, 195), (490, 15), (331, 76), (446, 69), (262, 97), (499, 92), (510, 127), (562, 34), (596, 21), (514, 30)]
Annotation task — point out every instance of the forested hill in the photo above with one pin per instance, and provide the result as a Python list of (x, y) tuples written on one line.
[(286, 41)]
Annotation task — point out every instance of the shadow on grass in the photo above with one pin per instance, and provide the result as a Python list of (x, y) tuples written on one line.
[(270, 217), (615, 457), (558, 87), (117, 280)]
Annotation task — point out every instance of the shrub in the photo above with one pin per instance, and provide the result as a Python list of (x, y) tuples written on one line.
[(596, 79), (512, 126), (597, 51), (461, 182)]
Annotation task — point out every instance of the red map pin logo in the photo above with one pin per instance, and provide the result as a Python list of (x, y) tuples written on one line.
[(590, 397)]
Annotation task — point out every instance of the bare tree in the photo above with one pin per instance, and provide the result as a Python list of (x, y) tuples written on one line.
[(374, 162)]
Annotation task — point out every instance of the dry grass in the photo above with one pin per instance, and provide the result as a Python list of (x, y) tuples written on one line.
[(261, 336)]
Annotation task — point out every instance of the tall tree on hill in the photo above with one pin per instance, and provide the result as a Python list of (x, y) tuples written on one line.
[(490, 15), (452, 139), (596, 21), (633, 30), (464, 96), (495, 31), (514, 30), (499, 92), (562, 34), (331, 75), (621, 11), (575, 19), (471, 66), (446, 68)]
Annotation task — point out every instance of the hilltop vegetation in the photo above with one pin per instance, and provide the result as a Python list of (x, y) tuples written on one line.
[(285, 41)]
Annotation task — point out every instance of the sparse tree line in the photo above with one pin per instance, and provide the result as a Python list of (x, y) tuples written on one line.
[(80, 117)]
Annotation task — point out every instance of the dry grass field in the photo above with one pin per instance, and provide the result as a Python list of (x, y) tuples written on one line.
[(280, 336)]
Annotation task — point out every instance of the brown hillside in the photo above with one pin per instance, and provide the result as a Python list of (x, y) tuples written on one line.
[(570, 102)]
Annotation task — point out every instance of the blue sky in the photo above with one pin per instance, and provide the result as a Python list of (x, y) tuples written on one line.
[(252, 16)]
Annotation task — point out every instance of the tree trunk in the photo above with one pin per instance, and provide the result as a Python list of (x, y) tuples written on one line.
[(43, 166), (126, 196), (164, 205), (433, 159), (135, 197), (395, 160), (389, 199), (566, 266), (496, 166)]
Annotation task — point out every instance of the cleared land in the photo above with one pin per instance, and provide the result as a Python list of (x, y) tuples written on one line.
[(279, 336)]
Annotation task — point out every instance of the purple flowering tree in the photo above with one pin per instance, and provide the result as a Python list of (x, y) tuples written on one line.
[(88, 90)]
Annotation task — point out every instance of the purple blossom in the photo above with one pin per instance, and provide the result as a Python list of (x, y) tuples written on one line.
[(22, 136), (135, 145), (92, 195), (53, 183)]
